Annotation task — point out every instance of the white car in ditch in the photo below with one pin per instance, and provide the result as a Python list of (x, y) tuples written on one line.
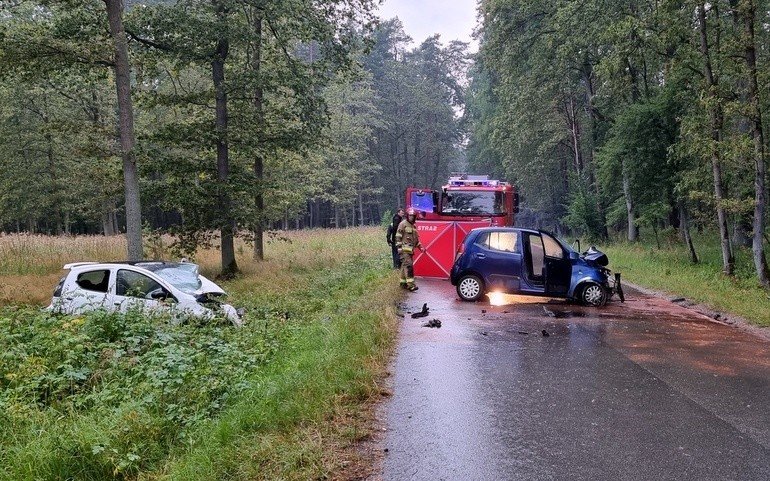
[(174, 288)]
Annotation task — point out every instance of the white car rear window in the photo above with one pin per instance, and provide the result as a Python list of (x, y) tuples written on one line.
[(96, 281)]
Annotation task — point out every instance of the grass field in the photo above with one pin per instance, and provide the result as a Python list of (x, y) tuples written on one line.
[(669, 269), (128, 397)]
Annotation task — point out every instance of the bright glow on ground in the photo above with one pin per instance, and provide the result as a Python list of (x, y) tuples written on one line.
[(497, 298)]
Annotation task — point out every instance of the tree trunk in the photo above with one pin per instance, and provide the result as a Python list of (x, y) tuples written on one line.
[(742, 221), (227, 228), (716, 119), (760, 169), (633, 231), (361, 208), (259, 199), (593, 121), (742, 230), (684, 228), (53, 197), (126, 129), (417, 146), (108, 226), (114, 217), (411, 169), (574, 130)]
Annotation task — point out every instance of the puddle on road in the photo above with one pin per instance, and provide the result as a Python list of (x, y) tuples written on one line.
[(559, 314)]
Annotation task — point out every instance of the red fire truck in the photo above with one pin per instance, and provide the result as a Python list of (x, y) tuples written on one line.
[(446, 216)]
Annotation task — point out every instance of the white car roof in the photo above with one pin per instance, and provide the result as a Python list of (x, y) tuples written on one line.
[(78, 264), (138, 264), (207, 286)]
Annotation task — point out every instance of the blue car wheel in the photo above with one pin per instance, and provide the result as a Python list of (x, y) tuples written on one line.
[(593, 294), (470, 288)]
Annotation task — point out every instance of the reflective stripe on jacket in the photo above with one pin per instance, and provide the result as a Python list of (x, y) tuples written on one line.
[(407, 236)]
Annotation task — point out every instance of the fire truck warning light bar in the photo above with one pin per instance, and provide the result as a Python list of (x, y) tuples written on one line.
[(474, 180)]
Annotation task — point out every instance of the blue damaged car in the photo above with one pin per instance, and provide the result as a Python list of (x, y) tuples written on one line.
[(515, 260)]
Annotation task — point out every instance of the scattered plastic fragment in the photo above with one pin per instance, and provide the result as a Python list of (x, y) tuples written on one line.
[(422, 313), (433, 323)]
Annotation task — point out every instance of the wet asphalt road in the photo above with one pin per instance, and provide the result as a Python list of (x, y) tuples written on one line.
[(645, 390)]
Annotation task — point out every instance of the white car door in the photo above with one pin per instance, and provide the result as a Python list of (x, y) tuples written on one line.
[(86, 290), (135, 290)]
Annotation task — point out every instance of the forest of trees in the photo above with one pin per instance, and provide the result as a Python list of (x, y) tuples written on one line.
[(611, 116), (217, 118), (223, 118)]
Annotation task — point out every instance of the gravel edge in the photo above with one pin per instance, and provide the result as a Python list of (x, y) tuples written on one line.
[(719, 317)]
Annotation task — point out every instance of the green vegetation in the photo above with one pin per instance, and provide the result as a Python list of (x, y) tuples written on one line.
[(248, 116), (614, 116), (669, 269), (106, 396)]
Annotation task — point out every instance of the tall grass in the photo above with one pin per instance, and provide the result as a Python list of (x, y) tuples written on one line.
[(120, 397), (24, 254), (31, 265), (669, 269)]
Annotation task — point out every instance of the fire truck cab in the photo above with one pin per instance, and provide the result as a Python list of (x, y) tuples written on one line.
[(445, 216)]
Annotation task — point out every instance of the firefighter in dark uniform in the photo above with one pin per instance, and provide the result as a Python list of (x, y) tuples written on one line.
[(391, 237), (407, 240)]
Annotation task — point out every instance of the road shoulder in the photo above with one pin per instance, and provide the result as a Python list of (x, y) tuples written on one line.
[(719, 317)]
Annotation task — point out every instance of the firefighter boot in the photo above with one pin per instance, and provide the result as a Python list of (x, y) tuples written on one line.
[(407, 272), (404, 271)]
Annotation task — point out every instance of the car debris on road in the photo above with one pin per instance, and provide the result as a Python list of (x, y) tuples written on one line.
[(433, 323), (423, 313)]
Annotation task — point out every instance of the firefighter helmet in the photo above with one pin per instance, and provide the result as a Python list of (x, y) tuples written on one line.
[(411, 211)]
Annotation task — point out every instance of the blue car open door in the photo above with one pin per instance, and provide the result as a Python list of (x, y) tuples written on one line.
[(558, 267)]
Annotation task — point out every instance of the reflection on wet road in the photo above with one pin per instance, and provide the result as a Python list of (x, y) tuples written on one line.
[(643, 390)]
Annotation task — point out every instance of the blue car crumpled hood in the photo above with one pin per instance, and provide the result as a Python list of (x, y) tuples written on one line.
[(594, 255)]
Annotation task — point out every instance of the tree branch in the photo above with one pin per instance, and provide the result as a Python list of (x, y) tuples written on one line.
[(147, 42)]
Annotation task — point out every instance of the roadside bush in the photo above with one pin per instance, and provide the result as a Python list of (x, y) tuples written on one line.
[(147, 379), (124, 396), (668, 268)]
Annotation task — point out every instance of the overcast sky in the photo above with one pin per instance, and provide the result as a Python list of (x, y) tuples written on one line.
[(452, 19)]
